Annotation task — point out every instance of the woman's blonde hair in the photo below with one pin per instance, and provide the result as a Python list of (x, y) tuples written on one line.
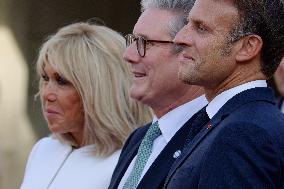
[(90, 57)]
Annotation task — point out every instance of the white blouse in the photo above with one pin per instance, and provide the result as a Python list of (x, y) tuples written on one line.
[(53, 165)]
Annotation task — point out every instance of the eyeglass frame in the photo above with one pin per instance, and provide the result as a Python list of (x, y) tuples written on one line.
[(130, 38)]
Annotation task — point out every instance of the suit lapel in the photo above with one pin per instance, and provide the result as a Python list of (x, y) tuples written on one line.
[(126, 157), (125, 163), (163, 162), (191, 147)]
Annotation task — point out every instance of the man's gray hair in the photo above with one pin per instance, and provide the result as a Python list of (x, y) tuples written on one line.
[(181, 6)]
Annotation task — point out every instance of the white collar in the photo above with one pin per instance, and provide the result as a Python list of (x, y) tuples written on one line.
[(172, 121), (215, 105)]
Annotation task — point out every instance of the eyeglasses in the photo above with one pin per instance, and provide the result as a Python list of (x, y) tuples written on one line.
[(141, 43)]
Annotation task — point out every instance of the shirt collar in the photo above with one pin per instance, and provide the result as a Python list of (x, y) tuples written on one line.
[(215, 105), (171, 122)]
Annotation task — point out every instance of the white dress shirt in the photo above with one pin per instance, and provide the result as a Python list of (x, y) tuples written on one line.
[(169, 124), (215, 105)]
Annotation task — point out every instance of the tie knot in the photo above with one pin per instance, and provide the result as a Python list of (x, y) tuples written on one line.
[(153, 131)]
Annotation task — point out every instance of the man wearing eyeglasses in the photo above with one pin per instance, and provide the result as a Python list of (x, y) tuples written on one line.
[(150, 151)]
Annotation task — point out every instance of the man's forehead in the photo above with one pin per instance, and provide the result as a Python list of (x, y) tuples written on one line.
[(207, 10), (153, 23)]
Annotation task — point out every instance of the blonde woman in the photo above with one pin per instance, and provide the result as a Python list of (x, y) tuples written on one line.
[(84, 94)]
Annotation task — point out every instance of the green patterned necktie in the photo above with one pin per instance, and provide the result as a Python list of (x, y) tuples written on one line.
[(144, 151)]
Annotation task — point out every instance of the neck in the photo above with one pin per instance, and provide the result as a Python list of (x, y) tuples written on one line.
[(231, 82), (78, 139), (170, 104)]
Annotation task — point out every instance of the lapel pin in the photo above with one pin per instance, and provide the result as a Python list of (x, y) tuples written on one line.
[(209, 126), (177, 154)]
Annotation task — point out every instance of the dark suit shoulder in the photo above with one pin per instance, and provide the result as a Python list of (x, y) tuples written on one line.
[(243, 151), (258, 115)]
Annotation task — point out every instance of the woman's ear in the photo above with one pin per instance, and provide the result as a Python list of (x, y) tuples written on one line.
[(250, 47)]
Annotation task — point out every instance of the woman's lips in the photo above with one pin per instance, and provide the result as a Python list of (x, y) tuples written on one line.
[(138, 74), (49, 113)]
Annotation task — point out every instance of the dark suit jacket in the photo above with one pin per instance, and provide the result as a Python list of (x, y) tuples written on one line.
[(242, 148), (279, 102), (156, 175)]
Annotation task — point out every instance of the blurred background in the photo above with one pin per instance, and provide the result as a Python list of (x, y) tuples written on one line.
[(24, 25)]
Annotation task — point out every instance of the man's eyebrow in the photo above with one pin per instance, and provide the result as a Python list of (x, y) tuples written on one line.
[(140, 35), (195, 20), (144, 36)]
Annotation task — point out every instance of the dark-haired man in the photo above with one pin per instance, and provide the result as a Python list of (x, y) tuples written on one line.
[(230, 48)]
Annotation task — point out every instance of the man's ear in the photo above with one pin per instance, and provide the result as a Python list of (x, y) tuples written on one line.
[(249, 47)]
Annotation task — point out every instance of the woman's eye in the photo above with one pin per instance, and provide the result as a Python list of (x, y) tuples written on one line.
[(45, 77), (61, 81)]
